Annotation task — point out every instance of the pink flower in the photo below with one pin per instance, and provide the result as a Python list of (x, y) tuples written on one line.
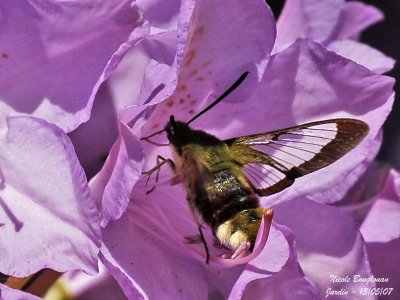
[(144, 249), (54, 58)]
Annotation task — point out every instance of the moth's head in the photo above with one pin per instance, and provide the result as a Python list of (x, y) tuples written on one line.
[(176, 131), (171, 128)]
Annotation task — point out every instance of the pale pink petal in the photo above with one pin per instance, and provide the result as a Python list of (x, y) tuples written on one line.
[(125, 81), (381, 231), (162, 15), (208, 65), (50, 220), (159, 83), (328, 243), (229, 55), (382, 223), (385, 260), (357, 16), (91, 147), (361, 196), (54, 55), (313, 19), (112, 186), (323, 21), (120, 90), (184, 21), (161, 47), (364, 55), (288, 282), (150, 263), (157, 224)]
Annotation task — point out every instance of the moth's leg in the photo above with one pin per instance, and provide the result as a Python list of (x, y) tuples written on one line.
[(191, 167), (160, 162), (201, 235), (204, 243)]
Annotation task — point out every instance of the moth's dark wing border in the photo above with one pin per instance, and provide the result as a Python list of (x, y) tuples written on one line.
[(273, 160)]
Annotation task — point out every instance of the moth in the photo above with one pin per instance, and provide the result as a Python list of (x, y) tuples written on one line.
[(225, 178)]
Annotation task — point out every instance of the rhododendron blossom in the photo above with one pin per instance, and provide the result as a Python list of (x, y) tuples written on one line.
[(303, 83), (126, 67)]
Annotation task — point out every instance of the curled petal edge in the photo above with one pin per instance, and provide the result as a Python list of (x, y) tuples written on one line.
[(261, 240)]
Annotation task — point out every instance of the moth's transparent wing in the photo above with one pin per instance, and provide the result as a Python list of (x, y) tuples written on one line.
[(273, 160)]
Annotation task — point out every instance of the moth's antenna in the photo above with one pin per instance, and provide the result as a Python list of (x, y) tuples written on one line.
[(220, 98), (153, 134), (146, 138)]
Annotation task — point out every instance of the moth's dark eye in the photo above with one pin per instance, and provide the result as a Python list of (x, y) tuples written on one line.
[(170, 131), (171, 127)]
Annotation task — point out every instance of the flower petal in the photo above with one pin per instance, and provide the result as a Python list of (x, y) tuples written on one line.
[(356, 17), (44, 199), (323, 21), (162, 15), (157, 224), (208, 65), (125, 82), (381, 230), (384, 260), (382, 223), (288, 282), (364, 55), (158, 84), (112, 186), (381, 227), (7, 293), (92, 148), (120, 90), (161, 47), (328, 243), (56, 54), (312, 19)]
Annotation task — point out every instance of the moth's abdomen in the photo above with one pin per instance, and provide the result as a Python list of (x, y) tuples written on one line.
[(236, 213), (228, 196)]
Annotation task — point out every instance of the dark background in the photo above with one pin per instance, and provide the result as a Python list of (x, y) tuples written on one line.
[(384, 36)]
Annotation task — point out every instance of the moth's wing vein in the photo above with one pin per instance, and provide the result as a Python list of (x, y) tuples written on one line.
[(273, 160)]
